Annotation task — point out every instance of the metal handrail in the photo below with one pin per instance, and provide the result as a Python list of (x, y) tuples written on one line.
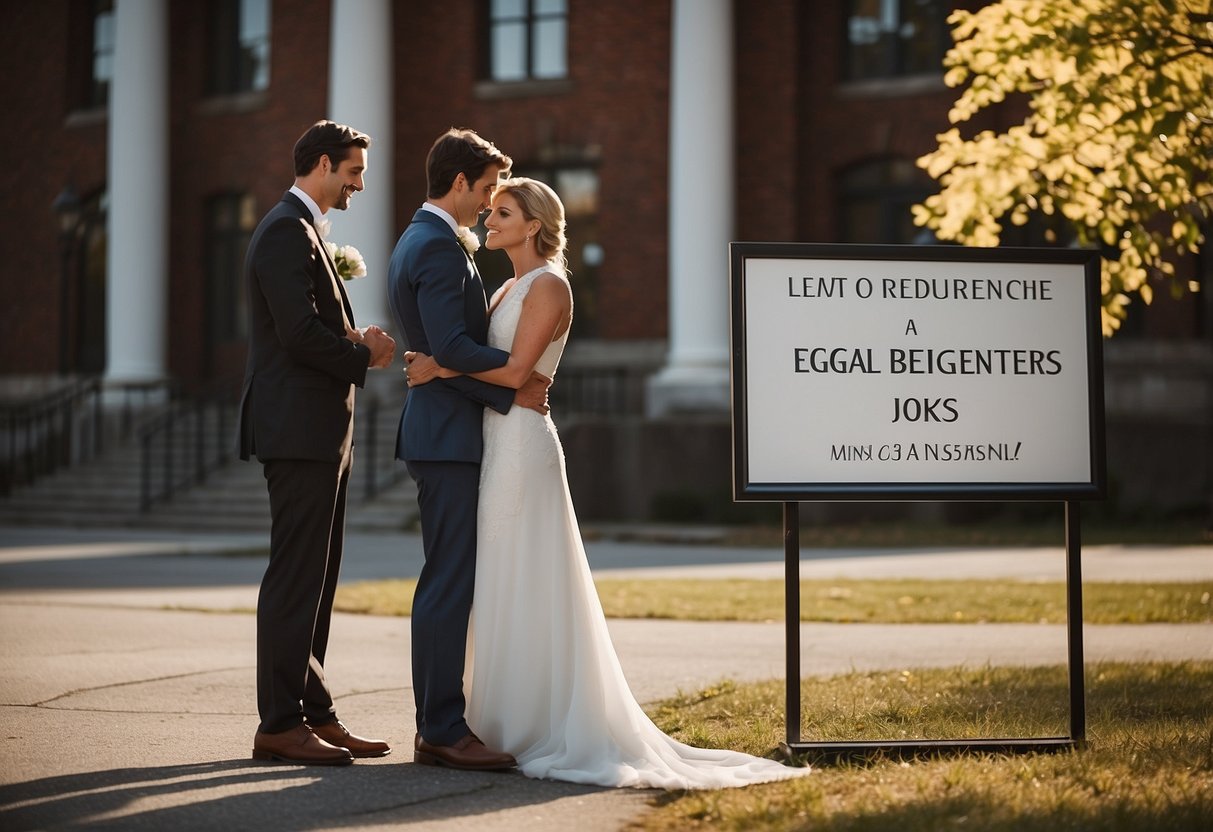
[(57, 430), (184, 420), (598, 391), (169, 465), (376, 477)]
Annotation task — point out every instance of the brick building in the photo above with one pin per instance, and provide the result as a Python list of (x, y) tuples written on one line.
[(153, 134)]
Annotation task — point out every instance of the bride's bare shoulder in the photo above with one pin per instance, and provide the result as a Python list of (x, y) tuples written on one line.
[(550, 284), (552, 279)]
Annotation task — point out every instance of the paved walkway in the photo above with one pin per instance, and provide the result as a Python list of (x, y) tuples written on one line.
[(127, 696)]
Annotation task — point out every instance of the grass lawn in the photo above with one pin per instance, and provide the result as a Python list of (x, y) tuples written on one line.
[(875, 601), (1047, 530), (1148, 766)]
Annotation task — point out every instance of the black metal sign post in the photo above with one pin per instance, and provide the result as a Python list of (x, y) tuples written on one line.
[(791, 598), (835, 750), (905, 373), (1078, 699)]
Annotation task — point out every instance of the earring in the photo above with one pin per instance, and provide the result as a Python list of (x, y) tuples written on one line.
[(528, 240)]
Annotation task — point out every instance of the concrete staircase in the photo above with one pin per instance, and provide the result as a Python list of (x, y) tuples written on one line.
[(106, 491)]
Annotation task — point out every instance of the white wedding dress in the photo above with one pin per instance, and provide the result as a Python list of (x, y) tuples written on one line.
[(543, 681)]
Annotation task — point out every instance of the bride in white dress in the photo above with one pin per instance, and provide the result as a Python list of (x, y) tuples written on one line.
[(543, 681)]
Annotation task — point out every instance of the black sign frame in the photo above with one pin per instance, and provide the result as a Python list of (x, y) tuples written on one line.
[(746, 490), (791, 494)]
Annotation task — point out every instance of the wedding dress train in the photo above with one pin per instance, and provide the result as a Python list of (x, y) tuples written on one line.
[(543, 679)]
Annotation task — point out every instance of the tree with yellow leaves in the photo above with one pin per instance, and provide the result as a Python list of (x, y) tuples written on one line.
[(1118, 140)]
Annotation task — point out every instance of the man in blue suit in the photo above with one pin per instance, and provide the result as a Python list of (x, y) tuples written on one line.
[(439, 303)]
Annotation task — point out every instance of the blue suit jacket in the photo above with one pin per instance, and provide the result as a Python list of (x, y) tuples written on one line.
[(438, 301)]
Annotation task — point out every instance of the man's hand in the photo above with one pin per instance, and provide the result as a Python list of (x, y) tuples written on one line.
[(381, 345), (533, 395), (420, 368)]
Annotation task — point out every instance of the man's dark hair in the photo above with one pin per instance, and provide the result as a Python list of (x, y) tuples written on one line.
[(460, 151), (326, 138)]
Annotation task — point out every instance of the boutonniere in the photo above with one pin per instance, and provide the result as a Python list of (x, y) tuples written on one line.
[(348, 261), (468, 239)]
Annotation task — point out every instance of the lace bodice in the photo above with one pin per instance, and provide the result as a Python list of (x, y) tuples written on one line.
[(508, 311)]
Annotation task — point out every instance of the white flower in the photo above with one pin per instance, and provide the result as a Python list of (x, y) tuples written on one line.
[(348, 261), (323, 227), (469, 240)]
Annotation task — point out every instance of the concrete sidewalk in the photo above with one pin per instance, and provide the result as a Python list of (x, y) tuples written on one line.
[(120, 712)]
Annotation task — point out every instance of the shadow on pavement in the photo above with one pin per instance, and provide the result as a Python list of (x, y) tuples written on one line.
[(244, 794)]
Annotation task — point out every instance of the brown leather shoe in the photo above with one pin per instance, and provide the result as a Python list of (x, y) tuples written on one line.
[(300, 747), (334, 733), (468, 753)]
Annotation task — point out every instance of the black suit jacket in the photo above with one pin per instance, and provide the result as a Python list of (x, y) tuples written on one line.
[(298, 398)]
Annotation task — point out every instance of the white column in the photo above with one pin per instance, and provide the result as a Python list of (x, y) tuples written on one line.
[(360, 95), (696, 375), (138, 172)]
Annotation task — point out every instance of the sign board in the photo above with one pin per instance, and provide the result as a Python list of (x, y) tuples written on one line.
[(916, 373)]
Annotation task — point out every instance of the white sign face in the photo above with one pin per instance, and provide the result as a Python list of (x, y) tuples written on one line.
[(915, 372)]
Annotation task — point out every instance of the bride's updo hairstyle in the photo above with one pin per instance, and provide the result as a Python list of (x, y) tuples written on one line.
[(539, 202)]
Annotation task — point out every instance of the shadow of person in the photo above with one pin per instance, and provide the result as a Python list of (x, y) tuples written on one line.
[(244, 793)]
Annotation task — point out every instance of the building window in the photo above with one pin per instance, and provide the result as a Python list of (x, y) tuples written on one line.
[(239, 46), (527, 40), (101, 67), (578, 190), (230, 220), (875, 199), (892, 38), (83, 243)]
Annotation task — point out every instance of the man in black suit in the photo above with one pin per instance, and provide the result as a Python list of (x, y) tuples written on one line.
[(297, 416)]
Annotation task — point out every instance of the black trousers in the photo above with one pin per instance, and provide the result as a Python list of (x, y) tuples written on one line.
[(295, 605), (447, 494)]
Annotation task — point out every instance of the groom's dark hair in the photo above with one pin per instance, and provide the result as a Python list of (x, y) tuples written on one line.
[(326, 138), (460, 151)]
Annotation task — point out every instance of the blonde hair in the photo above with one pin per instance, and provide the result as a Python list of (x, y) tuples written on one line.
[(538, 201)]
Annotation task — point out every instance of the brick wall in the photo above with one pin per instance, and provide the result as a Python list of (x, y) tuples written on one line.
[(797, 129), (235, 145), (46, 151), (770, 159), (613, 112)]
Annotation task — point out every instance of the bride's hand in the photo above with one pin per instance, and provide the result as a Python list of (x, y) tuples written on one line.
[(420, 369)]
